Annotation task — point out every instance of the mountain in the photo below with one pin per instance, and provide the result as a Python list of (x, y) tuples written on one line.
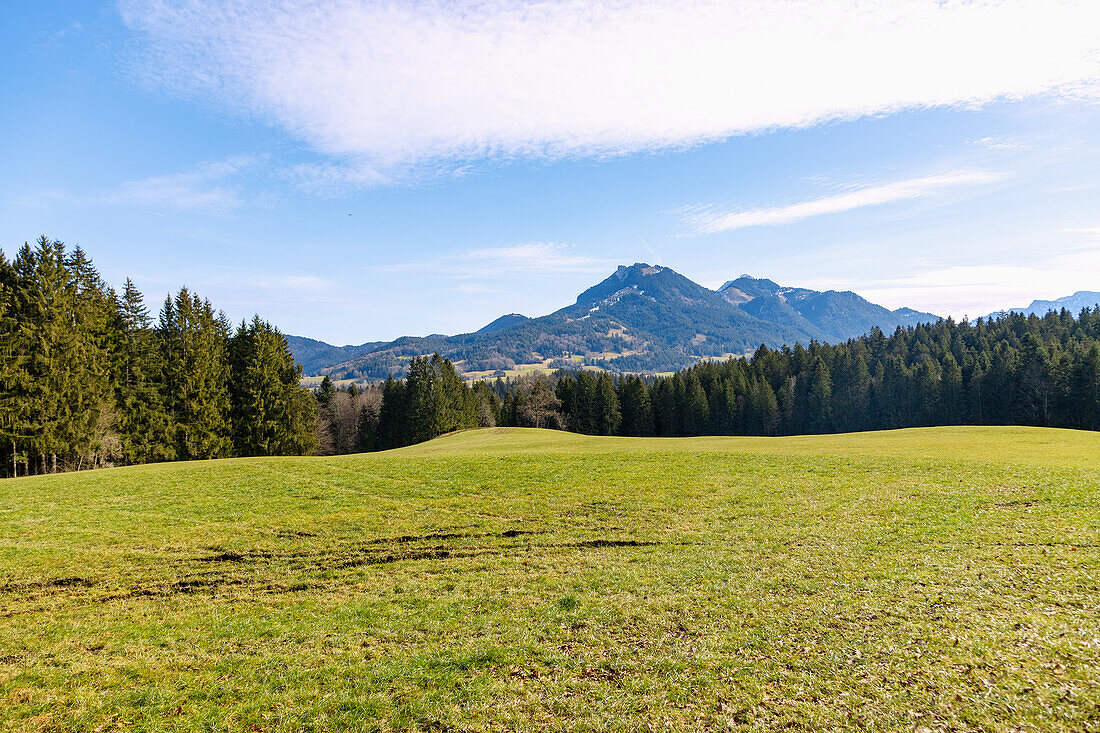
[(503, 322), (642, 318), (1073, 303), (315, 355), (835, 315)]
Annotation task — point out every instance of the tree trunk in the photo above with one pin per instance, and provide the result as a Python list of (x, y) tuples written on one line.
[(53, 463)]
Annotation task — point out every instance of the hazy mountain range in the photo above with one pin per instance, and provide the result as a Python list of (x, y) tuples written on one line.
[(1073, 303), (642, 318)]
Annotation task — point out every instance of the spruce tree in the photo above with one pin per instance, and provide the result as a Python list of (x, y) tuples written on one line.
[(819, 397), (393, 419), (89, 429), (193, 340), (272, 415), (144, 426), (952, 402), (696, 412), (607, 409), (14, 427), (637, 408), (49, 330), (325, 393)]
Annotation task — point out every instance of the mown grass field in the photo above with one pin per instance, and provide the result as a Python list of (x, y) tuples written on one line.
[(528, 580)]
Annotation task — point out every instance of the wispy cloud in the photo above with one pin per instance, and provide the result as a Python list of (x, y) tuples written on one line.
[(1002, 143), (1089, 233), (708, 219), (211, 186), (977, 290), (399, 85), (996, 280), (531, 258)]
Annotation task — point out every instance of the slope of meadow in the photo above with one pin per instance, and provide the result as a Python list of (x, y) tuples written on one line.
[(941, 578)]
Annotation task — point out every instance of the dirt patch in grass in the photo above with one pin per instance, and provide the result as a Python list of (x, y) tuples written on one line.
[(612, 543), (71, 582), (249, 570)]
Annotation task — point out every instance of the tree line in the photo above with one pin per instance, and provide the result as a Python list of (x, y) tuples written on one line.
[(431, 400), (1012, 370), (87, 378)]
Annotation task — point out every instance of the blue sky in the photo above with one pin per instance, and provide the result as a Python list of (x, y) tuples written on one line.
[(356, 171)]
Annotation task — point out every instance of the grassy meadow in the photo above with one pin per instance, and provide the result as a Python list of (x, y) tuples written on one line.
[(511, 579)]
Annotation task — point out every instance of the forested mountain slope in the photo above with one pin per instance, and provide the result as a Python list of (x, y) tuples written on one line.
[(642, 318), (315, 355)]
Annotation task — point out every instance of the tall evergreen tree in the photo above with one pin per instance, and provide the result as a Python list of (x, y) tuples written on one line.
[(393, 419), (144, 426), (14, 427), (271, 414), (608, 412), (193, 341), (696, 412), (819, 397), (637, 408)]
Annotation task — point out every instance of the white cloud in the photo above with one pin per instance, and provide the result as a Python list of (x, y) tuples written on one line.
[(1086, 233), (1002, 143), (709, 220), (322, 179), (531, 258), (980, 289), (395, 86), (208, 186)]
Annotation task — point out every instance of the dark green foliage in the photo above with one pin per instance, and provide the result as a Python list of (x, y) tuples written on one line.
[(637, 409), (193, 340), (432, 400), (325, 393), (144, 426), (608, 413), (14, 429), (488, 406), (1020, 370), (271, 414), (57, 374), (85, 380)]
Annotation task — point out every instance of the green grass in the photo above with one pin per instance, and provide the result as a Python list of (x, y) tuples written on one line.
[(532, 580)]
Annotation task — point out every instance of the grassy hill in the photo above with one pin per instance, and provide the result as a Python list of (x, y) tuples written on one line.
[(520, 579)]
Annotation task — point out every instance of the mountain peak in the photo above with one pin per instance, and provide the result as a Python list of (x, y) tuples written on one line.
[(640, 278), (642, 269), (505, 321), (747, 287)]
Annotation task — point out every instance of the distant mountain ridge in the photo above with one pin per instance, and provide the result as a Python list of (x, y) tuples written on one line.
[(315, 355), (503, 322), (642, 318), (1073, 303)]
